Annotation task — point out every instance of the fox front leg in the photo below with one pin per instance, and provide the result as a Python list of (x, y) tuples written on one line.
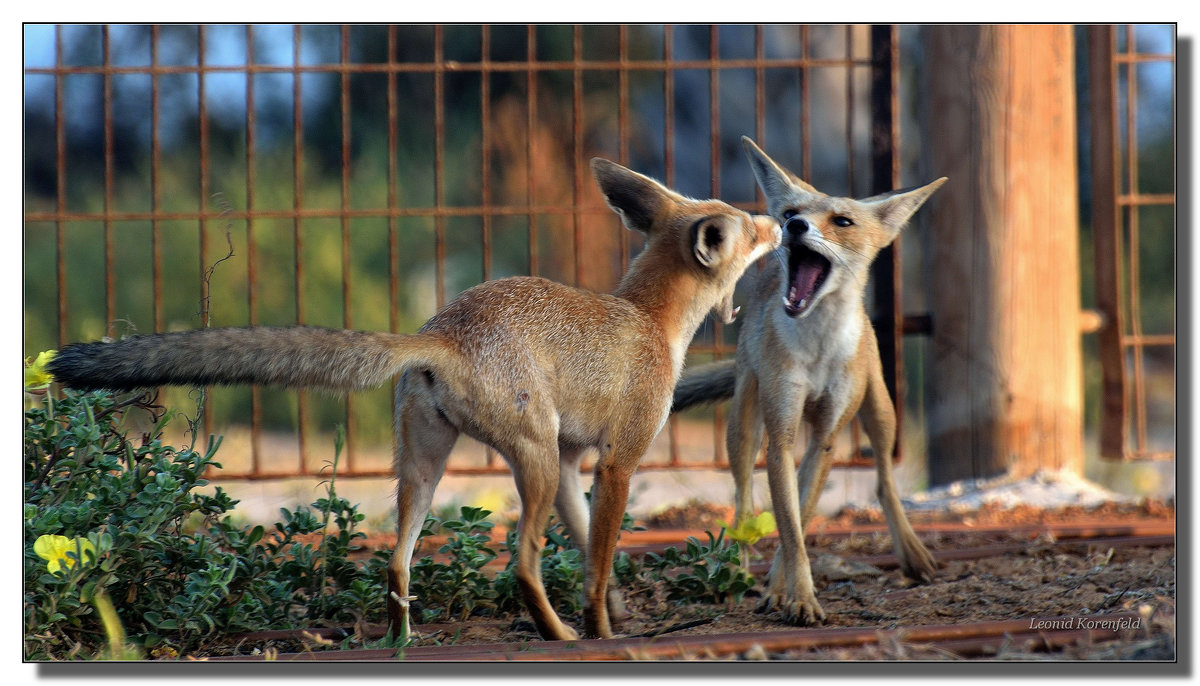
[(572, 508), (790, 588), (610, 493)]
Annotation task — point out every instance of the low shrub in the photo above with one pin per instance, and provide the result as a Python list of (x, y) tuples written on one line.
[(180, 574), (709, 572), (126, 556)]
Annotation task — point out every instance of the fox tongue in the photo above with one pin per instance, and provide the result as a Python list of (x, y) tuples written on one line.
[(804, 282)]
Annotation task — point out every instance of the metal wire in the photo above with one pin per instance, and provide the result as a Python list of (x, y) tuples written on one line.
[(574, 207), (1125, 430)]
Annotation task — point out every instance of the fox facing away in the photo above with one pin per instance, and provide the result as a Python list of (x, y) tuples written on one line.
[(540, 371), (807, 352)]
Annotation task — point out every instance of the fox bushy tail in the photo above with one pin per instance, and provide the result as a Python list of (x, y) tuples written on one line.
[(295, 357), (707, 383)]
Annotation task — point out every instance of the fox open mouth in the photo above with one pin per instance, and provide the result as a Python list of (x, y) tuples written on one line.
[(807, 271)]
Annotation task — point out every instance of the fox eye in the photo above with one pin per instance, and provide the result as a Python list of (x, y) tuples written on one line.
[(842, 221), (788, 214)]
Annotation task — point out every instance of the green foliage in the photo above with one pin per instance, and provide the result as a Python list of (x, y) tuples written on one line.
[(627, 570), (562, 574), (125, 556), (178, 572), (458, 588), (709, 573), (702, 573)]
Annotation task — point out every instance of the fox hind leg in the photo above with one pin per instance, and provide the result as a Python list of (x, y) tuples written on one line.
[(878, 418), (536, 470), (423, 444), (743, 440), (811, 477), (572, 508), (814, 470)]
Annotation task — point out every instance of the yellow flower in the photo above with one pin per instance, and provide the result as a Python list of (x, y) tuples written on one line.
[(493, 500), (752, 528), (55, 549), (36, 375)]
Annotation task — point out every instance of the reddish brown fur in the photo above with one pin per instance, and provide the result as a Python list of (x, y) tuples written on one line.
[(549, 371), (540, 371)]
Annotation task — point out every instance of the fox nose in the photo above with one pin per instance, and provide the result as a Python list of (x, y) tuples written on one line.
[(797, 226)]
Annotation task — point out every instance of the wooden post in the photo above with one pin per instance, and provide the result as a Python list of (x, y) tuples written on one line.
[(1106, 238), (885, 176), (1005, 391)]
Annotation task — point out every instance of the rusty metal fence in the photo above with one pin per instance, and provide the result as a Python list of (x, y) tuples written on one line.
[(1133, 213), (263, 171)]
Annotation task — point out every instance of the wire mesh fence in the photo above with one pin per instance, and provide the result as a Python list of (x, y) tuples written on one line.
[(1134, 228), (360, 176)]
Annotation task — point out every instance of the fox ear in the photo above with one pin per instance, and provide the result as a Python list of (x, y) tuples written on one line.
[(774, 180), (711, 242), (895, 208), (638, 199)]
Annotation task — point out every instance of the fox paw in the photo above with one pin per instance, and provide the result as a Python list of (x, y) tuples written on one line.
[(567, 634), (917, 563), (793, 611)]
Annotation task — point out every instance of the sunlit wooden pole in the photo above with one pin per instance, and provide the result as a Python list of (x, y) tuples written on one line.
[(1002, 266)]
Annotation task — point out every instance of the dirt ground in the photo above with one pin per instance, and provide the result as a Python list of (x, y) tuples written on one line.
[(1038, 577), (1040, 582)]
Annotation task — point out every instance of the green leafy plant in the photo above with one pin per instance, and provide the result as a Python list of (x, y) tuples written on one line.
[(703, 572), (562, 574), (459, 587), (84, 479), (107, 516), (127, 555)]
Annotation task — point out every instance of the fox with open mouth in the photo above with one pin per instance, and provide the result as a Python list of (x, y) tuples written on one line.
[(814, 359)]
